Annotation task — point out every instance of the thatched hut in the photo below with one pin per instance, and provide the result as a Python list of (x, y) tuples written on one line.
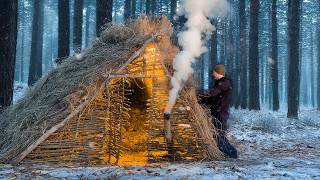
[(106, 106)]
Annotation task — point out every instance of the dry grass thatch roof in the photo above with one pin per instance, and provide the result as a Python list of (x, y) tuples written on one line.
[(57, 95)]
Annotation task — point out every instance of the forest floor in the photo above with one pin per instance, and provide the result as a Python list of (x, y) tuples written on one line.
[(270, 146)]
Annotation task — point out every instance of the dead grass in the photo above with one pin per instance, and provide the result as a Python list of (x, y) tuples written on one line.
[(202, 124)]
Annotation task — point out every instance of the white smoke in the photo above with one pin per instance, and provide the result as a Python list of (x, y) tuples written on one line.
[(198, 14)]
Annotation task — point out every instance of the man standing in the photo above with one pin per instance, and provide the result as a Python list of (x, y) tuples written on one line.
[(218, 100)]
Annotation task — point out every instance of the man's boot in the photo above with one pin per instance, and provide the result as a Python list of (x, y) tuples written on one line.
[(224, 145)]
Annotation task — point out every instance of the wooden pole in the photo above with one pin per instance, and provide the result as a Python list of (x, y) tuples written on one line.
[(168, 135)]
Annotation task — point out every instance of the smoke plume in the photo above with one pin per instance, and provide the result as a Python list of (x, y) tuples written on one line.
[(198, 14)]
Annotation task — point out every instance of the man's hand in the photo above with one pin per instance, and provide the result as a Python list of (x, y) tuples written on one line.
[(207, 93), (203, 98), (203, 95)]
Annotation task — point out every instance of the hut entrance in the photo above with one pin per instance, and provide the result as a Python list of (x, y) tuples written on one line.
[(126, 137), (134, 115)]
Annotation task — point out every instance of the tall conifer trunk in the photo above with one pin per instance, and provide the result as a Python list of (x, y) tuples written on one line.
[(35, 66), (293, 58), (8, 42), (254, 98)]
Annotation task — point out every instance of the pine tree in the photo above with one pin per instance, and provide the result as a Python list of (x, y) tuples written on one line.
[(8, 41), (274, 57), (254, 98), (77, 25), (63, 30), (243, 56), (127, 9), (230, 55), (103, 14), (148, 7), (236, 63), (312, 72), (87, 30), (35, 66), (22, 32), (213, 58), (318, 75), (141, 11), (133, 8), (222, 43), (173, 9), (293, 58), (153, 7)]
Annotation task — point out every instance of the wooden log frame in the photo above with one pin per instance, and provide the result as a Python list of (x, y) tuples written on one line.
[(88, 100)]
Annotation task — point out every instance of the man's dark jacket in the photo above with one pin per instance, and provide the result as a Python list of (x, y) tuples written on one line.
[(219, 98)]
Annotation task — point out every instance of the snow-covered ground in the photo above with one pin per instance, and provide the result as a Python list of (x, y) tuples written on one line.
[(19, 90), (270, 147)]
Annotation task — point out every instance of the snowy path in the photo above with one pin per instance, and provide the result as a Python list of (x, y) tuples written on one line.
[(271, 146)]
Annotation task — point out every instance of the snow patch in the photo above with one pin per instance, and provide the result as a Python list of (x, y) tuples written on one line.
[(19, 91)]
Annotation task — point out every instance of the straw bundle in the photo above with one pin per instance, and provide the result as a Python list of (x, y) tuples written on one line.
[(202, 124)]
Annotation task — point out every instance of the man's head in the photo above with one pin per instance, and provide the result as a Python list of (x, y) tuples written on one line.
[(218, 71)]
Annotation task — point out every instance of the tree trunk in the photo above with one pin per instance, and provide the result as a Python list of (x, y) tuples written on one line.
[(213, 60), (52, 48), (200, 64), (222, 43), (197, 73), (127, 9), (173, 9), (8, 42), (230, 62), (312, 72), (274, 57), (103, 14), (159, 8), (141, 7), (243, 56), (230, 56), (318, 75), (115, 11), (293, 58), (23, 21), (77, 25), (21, 59), (153, 7), (229, 50), (148, 7), (35, 66), (63, 30), (133, 8), (236, 63), (302, 85), (88, 14), (254, 98)]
